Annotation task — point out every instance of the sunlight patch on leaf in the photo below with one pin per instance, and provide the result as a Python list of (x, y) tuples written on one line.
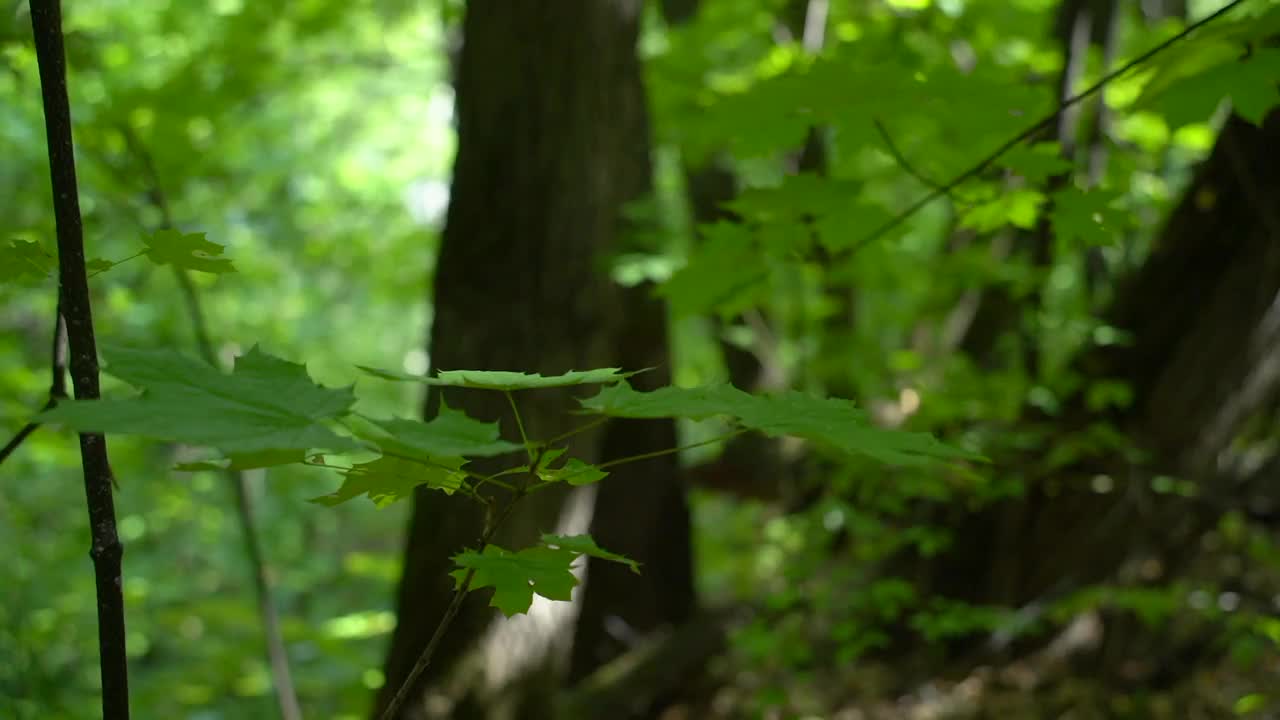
[(515, 577)]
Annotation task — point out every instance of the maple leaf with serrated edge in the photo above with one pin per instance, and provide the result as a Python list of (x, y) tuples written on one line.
[(25, 261), (586, 545), (451, 433), (388, 479), (831, 422), (515, 577), (1086, 216), (189, 251), (505, 379), (266, 403)]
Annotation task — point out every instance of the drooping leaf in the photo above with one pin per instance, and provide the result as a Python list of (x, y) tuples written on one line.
[(515, 577), (451, 433), (506, 380), (832, 422), (189, 251), (388, 479), (574, 472), (586, 545), (265, 404)]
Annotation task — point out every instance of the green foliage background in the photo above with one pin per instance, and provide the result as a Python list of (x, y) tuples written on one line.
[(312, 140)]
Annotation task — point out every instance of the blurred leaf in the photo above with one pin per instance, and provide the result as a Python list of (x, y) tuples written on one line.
[(188, 251), (24, 261)]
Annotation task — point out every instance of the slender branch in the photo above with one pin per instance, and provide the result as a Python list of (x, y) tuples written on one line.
[(511, 400), (57, 383), (669, 451), (901, 159), (277, 651), (1031, 131), (597, 422), (77, 311), (455, 605)]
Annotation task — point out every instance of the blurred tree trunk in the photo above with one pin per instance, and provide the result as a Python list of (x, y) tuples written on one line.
[(552, 142)]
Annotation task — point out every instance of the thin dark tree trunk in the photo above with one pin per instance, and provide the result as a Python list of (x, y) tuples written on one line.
[(74, 304), (551, 145)]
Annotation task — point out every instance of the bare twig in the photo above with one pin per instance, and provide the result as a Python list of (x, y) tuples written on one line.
[(1033, 130), (455, 605), (73, 299)]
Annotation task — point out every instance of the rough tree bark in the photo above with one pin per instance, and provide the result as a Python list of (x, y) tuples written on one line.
[(552, 143)]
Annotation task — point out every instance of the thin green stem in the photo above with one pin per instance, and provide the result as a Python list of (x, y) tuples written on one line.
[(667, 451), (578, 430), (511, 400)]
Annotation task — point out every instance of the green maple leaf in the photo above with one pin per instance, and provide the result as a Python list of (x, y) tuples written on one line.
[(1250, 83), (507, 380), (265, 404), (723, 274), (1036, 163), (25, 261), (1018, 208), (832, 422), (586, 545), (574, 472), (189, 251), (388, 479), (1086, 216), (515, 577), (451, 433)]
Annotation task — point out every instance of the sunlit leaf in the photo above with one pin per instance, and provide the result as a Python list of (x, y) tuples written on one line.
[(515, 577)]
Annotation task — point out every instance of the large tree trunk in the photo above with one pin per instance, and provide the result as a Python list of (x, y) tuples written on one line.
[(552, 142)]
